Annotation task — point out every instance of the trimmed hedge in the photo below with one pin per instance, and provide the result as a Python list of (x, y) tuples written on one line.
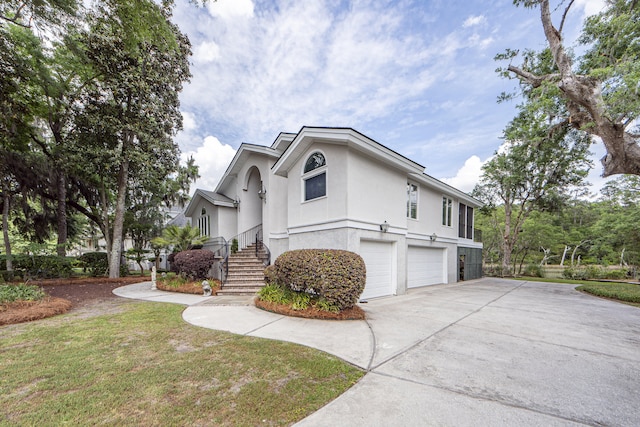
[(194, 263), (41, 266), (335, 275), (96, 263)]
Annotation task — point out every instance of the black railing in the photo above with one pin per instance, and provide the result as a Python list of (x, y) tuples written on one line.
[(253, 236), (247, 238), (262, 251), (220, 248)]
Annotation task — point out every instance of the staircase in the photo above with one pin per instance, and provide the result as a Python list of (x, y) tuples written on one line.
[(246, 273)]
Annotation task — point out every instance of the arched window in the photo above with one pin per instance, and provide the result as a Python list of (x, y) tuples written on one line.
[(315, 161), (315, 176), (204, 223)]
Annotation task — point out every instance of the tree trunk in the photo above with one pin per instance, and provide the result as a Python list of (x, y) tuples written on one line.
[(507, 241), (5, 227), (586, 105), (118, 222), (62, 215)]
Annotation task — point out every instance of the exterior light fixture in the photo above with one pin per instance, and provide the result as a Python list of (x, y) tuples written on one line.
[(236, 203), (262, 193), (384, 227), (433, 237)]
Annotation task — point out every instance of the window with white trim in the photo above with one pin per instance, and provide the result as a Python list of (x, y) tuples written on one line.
[(314, 177), (465, 221), (412, 201), (447, 207), (204, 223)]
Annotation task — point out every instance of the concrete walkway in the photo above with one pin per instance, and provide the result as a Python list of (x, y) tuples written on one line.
[(484, 352)]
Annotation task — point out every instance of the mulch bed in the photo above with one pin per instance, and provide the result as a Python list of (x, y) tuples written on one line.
[(64, 295), (194, 288), (353, 313), (26, 311)]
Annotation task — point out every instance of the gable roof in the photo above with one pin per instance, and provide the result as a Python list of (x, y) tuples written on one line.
[(244, 151), (212, 197), (348, 136)]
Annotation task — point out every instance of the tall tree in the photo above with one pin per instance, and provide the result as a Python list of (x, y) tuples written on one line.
[(599, 89), (539, 160), (142, 60)]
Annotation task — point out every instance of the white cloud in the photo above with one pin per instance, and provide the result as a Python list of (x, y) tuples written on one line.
[(212, 158), (231, 9), (206, 52), (188, 121), (474, 20), (591, 7), (468, 175)]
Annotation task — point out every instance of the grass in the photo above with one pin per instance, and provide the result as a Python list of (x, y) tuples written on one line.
[(623, 292), (146, 366)]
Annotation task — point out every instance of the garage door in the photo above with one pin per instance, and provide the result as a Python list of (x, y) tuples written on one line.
[(425, 267), (378, 258)]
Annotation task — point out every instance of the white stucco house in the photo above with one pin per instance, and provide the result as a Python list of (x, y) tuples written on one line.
[(337, 188)]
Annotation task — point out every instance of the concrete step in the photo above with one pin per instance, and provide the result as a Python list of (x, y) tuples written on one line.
[(244, 279)]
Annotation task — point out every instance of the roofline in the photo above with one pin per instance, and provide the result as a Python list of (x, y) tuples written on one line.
[(446, 188), (355, 135), (255, 148), (204, 195)]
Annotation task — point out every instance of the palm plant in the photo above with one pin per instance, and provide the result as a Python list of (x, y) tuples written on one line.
[(181, 238)]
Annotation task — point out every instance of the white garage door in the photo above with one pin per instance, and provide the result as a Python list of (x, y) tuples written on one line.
[(378, 258), (425, 267)]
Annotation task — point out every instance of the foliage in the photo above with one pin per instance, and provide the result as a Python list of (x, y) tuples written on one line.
[(619, 291), (234, 246), (279, 294), (194, 263), (43, 266), (20, 292), (596, 93), (96, 263), (180, 238), (533, 270), (337, 276), (270, 275)]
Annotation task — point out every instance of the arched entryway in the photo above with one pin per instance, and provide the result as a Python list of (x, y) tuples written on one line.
[(250, 214)]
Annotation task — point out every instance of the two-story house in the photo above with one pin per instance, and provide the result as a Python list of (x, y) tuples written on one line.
[(336, 188)]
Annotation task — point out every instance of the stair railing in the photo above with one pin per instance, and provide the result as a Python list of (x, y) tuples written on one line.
[(262, 251), (220, 248)]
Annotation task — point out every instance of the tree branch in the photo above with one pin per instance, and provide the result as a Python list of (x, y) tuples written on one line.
[(564, 16), (533, 79)]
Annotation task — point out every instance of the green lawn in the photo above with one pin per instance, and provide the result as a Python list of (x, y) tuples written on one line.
[(146, 366), (623, 292)]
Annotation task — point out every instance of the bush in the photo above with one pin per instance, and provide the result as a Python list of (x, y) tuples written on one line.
[(21, 292), (616, 274), (270, 275), (336, 276), (533, 270), (42, 266), (594, 272), (574, 273), (194, 263), (96, 263)]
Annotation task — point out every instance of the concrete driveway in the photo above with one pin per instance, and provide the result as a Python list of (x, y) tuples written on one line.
[(488, 352), (496, 352)]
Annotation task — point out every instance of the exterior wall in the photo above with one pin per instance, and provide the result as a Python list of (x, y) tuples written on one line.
[(331, 207), (212, 212), (375, 192), (227, 222)]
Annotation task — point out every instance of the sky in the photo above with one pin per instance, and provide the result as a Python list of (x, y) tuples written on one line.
[(417, 76)]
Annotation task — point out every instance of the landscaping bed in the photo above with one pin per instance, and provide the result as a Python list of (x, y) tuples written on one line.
[(353, 313), (64, 295), (185, 286)]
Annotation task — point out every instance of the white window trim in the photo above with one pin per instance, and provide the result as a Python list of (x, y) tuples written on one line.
[(311, 174), (417, 218), (450, 203)]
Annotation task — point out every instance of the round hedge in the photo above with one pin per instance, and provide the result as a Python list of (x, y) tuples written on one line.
[(337, 276)]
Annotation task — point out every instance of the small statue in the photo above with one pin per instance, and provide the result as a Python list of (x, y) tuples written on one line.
[(206, 288)]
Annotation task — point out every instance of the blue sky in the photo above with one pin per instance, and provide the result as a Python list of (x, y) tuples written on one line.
[(417, 76)]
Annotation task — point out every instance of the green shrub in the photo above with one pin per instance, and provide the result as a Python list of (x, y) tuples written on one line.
[(616, 274), (42, 266), (337, 276), (194, 263), (270, 275), (594, 272), (533, 270), (574, 273), (275, 293), (301, 301), (234, 246), (279, 294), (20, 292), (95, 263)]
